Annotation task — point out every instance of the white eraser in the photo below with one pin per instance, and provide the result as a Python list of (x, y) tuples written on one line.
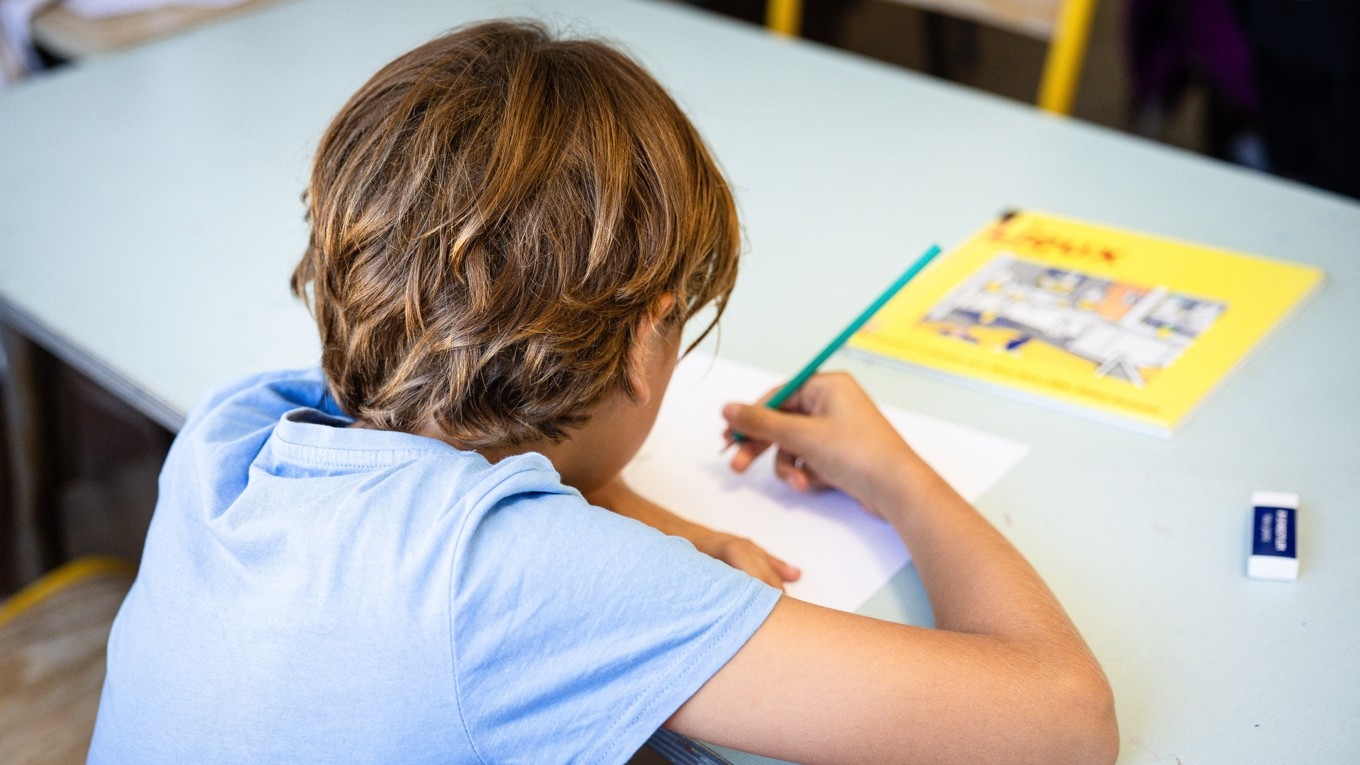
[(1275, 499), (1274, 547)]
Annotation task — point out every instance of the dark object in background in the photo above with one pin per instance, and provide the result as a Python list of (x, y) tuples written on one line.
[(1306, 60), (1173, 44), (821, 19)]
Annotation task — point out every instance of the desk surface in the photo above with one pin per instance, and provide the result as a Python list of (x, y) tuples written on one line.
[(150, 221)]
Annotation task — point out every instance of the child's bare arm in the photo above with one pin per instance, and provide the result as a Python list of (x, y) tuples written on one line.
[(1004, 678), (735, 551)]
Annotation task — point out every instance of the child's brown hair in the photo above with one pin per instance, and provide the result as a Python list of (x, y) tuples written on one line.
[(493, 214)]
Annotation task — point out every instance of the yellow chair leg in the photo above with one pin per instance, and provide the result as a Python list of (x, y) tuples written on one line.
[(784, 17), (59, 579), (1062, 69)]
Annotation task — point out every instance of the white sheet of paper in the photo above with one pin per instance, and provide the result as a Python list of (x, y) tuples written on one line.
[(846, 555)]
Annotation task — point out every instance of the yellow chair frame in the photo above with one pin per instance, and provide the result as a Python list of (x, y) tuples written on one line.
[(1066, 36)]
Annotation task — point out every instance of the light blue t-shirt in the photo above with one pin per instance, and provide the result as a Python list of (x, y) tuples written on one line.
[(316, 593)]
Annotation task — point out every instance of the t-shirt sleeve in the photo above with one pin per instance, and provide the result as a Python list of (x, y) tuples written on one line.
[(576, 632)]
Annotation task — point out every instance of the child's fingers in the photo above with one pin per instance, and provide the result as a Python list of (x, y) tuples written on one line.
[(748, 449), (760, 423), (765, 567), (747, 556), (789, 469), (747, 452), (752, 445), (786, 571)]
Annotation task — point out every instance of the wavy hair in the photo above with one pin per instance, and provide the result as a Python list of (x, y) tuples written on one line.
[(492, 215)]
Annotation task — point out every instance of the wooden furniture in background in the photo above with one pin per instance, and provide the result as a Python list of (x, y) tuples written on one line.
[(70, 35), (52, 639)]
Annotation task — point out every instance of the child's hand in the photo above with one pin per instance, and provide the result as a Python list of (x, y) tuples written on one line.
[(741, 553), (828, 434), (737, 552)]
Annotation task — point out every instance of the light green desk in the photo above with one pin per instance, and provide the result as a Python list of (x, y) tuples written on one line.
[(150, 220)]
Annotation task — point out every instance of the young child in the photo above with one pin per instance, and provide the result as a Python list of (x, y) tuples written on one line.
[(423, 551)]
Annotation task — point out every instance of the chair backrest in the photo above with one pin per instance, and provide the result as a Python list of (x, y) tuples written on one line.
[(1064, 24), (1032, 18)]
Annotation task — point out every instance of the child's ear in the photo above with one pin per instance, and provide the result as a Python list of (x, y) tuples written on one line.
[(647, 336)]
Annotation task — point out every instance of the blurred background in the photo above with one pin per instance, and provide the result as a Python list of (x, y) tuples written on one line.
[(1269, 84)]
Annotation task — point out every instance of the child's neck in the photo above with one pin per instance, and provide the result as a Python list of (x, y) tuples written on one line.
[(587, 458)]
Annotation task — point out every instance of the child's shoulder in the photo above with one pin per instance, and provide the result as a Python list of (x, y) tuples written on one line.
[(266, 394)]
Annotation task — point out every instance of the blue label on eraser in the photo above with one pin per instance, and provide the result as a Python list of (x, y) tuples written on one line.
[(1274, 533)]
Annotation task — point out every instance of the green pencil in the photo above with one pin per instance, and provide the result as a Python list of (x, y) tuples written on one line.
[(811, 369)]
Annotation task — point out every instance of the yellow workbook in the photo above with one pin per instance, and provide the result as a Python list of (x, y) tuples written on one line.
[(1124, 327)]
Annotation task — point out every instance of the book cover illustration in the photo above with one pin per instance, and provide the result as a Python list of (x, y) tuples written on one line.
[(1112, 328), (1125, 327)]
